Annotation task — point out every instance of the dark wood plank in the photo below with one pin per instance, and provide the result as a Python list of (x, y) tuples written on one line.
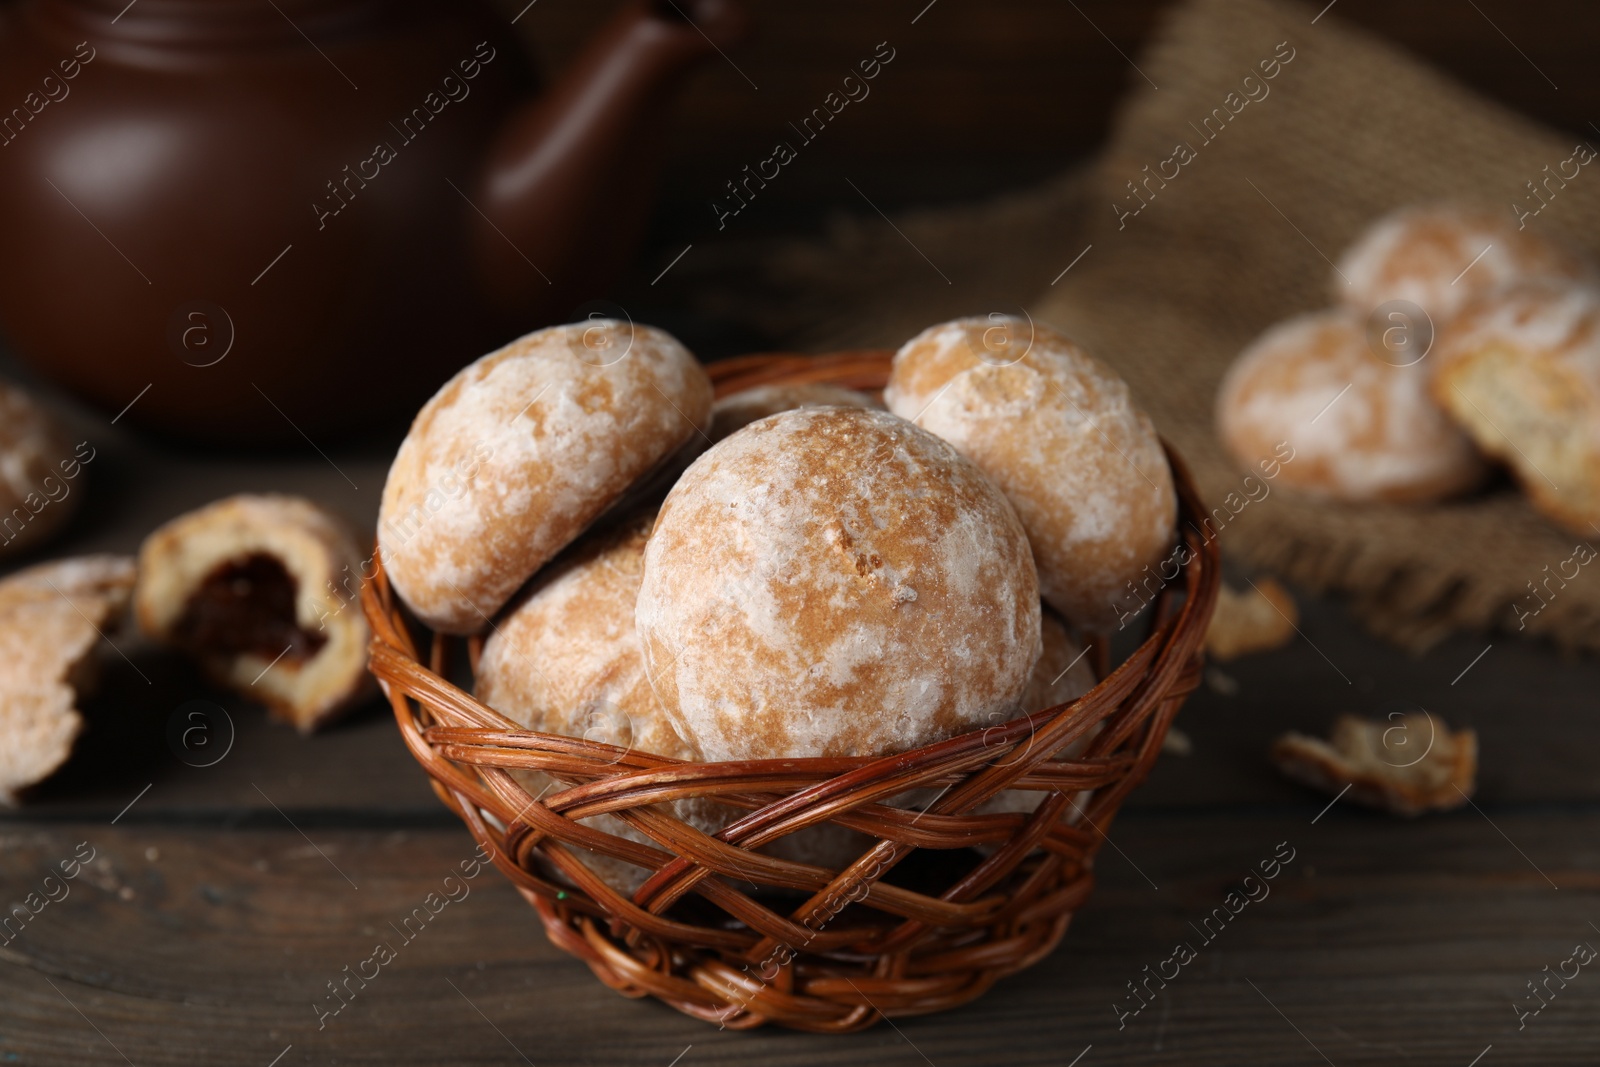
[(1381, 940), (1532, 706)]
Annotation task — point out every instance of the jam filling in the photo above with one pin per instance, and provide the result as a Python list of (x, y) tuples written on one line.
[(246, 605)]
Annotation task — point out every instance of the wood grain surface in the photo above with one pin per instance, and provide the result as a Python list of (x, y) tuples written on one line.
[(1381, 942)]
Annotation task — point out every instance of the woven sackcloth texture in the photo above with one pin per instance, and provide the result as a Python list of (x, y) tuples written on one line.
[(1242, 237)]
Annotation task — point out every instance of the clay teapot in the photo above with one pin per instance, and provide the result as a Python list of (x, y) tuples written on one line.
[(259, 221)]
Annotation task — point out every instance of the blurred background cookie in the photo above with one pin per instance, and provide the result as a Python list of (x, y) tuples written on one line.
[(40, 470), (1520, 371), (1442, 256), (1310, 399)]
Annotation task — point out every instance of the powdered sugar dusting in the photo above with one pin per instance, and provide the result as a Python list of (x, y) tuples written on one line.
[(523, 449), (1422, 255), (1360, 428), (1537, 319), (831, 581), (1061, 436)]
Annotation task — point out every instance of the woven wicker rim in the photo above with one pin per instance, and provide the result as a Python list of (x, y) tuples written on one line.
[(856, 948)]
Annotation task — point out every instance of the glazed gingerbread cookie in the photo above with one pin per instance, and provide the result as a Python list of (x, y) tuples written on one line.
[(524, 449), (1059, 433), (834, 582), (1311, 397), (52, 618), (1441, 257)]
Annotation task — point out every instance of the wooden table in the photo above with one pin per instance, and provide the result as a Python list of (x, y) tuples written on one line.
[(223, 899)]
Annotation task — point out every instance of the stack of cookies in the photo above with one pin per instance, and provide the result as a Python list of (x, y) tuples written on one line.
[(792, 571), (1458, 340)]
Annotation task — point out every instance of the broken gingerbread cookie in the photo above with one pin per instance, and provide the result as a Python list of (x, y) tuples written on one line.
[(1408, 764), (52, 618), (257, 589), (1258, 619)]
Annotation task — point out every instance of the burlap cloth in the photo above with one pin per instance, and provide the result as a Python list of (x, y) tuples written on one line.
[(1349, 129)]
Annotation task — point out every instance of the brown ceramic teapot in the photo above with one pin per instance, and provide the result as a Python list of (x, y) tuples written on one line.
[(272, 218)]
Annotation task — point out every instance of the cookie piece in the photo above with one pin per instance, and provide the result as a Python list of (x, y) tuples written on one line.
[(835, 582), (1441, 257), (1520, 370), (1058, 432), (261, 591), (1257, 619), (1407, 764), (52, 616), (565, 660), (1310, 400), (521, 451), (38, 468)]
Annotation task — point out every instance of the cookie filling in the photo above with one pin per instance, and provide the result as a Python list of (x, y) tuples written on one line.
[(246, 606)]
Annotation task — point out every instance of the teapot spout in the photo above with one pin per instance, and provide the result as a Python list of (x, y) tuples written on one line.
[(566, 186)]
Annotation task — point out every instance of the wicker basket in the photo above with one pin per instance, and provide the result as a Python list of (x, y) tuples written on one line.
[(816, 949)]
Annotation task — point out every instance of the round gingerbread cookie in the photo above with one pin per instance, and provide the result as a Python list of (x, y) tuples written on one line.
[(835, 582), (1062, 673), (1059, 433), (521, 451), (38, 467), (1442, 256), (565, 660), (1312, 401)]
